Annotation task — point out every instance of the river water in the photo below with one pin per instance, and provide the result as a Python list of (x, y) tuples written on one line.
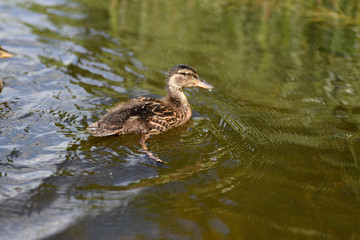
[(273, 152)]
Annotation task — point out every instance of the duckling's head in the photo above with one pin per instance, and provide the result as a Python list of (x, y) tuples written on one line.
[(182, 76)]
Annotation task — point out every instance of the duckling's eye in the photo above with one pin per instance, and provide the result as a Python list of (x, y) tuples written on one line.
[(185, 73)]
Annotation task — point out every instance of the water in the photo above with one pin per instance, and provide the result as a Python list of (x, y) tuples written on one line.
[(271, 153)]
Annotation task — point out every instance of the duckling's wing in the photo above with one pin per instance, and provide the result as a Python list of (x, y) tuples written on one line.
[(129, 117)]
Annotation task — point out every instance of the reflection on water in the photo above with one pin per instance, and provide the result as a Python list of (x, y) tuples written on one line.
[(272, 152)]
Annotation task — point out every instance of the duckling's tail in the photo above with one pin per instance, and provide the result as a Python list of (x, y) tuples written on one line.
[(98, 131)]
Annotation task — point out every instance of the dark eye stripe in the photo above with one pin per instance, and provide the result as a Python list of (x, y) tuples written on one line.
[(189, 74)]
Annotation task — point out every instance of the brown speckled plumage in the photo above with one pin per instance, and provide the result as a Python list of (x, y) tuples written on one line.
[(149, 116)]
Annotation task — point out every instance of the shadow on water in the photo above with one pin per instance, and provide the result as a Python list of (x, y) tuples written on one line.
[(272, 152)]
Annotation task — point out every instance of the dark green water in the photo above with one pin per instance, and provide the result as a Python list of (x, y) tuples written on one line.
[(272, 153)]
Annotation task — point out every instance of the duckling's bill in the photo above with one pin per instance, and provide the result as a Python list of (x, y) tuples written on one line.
[(4, 54), (203, 84)]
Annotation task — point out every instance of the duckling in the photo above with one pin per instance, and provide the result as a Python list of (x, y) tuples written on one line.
[(4, 54), (151, 116)]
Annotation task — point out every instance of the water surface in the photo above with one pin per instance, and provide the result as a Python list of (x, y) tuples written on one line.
[(271, 153)]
